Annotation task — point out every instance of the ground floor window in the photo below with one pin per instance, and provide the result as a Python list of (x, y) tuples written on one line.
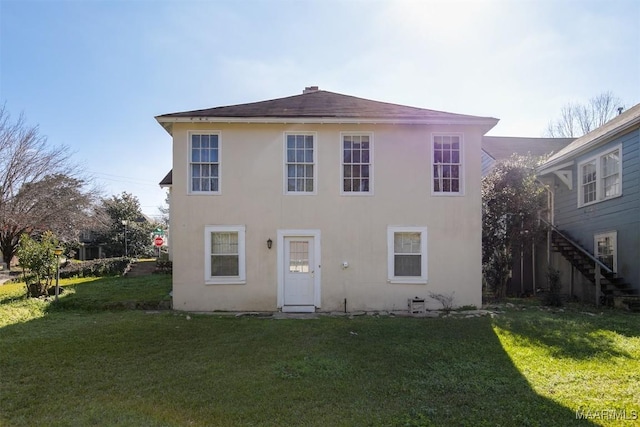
[(407, 254), (605, 246), (225, 254)]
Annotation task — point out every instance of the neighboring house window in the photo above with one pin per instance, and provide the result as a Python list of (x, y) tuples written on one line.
[(600, 177), (300, 163), (225, 254), (605, 245), (611, 174), (357, 173), (447, 164), (204, 163), (589, 182), (407, 254)]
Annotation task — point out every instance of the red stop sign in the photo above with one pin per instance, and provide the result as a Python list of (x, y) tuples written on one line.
[(158, 241)]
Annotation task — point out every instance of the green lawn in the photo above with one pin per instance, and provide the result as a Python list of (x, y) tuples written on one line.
[(93, 362)]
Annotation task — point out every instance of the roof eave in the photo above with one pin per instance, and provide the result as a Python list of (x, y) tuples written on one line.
[(166, 122), (600, 140), (554, 168)]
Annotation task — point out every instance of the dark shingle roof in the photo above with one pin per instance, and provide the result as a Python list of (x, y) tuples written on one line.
[(503, 147), (167, 180), (324, 104)]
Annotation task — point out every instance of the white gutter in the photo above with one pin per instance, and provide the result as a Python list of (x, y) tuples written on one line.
[(324, 120)]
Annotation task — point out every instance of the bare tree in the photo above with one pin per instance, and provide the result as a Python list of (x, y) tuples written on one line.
[(165, 210), (40, 188), (578, 119)]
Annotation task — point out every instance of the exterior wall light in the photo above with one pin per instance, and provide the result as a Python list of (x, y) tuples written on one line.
[(269, 243)]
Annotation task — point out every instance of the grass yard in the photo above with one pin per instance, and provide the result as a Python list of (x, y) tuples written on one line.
[(91, 361)]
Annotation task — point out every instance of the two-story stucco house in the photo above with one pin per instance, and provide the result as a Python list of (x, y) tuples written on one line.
[(595, 188), (324, 202)]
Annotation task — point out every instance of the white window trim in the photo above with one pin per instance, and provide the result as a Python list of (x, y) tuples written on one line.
[(614, 237), (204, 193), (225, 280), (371, 162), (462, 165), (285, 175), (391, 278), (599, 185)]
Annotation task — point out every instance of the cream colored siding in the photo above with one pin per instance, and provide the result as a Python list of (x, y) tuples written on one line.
[(353, 229)]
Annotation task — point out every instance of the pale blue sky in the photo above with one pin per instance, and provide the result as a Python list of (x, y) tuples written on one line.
[(93, 74)]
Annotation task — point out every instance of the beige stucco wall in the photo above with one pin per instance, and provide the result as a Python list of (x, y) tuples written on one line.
[(353, 228)]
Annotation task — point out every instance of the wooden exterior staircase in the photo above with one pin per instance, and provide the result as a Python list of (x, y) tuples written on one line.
[(612, 286)]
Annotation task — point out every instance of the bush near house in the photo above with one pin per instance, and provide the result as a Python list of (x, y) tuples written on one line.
[(164, 267), (38, 262)]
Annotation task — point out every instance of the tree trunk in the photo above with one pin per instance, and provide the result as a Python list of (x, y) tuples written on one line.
[(37, 290), (8, 251)]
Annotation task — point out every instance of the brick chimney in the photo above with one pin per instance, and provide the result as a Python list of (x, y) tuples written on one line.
[(310, 89)]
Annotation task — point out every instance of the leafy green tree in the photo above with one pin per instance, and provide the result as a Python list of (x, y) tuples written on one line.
[(38, 258), (124, 216), (511, 202)]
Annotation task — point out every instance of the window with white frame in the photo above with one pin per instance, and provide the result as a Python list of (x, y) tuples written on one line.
[(611, 174), (357, 171), (204, 163), (605, 245), (600, 177), (589, 182), (300, 163), (407, 254), (225, 254), (447, 164)]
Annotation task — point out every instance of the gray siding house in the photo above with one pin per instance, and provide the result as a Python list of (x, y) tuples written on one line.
[(595, 211)]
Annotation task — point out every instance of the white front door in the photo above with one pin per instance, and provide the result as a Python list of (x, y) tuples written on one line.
[(299, 274)]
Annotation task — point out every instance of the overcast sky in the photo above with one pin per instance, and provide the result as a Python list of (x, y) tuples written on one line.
[(93, 74)]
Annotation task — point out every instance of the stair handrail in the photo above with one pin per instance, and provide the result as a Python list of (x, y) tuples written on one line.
[(580, 248)]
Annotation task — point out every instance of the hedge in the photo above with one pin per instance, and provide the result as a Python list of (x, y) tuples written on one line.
[(96, 267)]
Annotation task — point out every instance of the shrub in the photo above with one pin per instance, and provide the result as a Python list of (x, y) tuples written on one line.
[(96, 268), (164, 267), (39, 259)]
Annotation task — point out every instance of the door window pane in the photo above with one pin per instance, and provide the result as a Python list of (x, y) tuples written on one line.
[(298, 257)]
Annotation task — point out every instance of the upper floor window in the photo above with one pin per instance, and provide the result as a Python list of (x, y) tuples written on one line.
[(447, 165), (357, 171), (300, 163), (204, 163), (600, 177)]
